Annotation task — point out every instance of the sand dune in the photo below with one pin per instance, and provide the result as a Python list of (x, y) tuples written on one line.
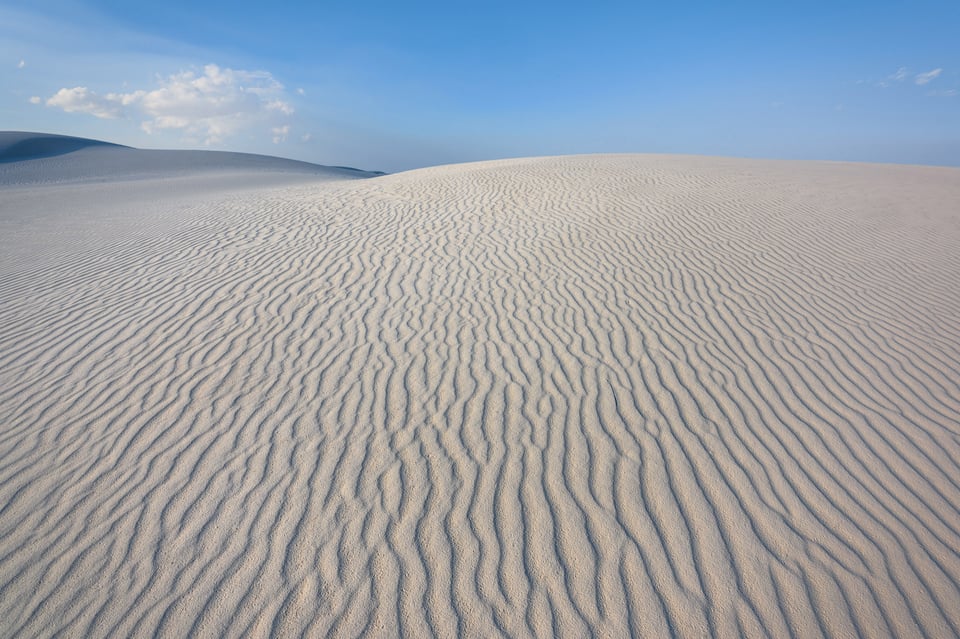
[(20, 145), (39, 158), (599, 395)]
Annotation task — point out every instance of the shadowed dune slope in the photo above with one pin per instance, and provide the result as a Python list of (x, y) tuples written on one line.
[(20, 145), (598, 395), (42, 158)]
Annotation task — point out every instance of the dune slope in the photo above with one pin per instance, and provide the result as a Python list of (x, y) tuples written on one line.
[(20, 145), (29, 159), (600, 395)]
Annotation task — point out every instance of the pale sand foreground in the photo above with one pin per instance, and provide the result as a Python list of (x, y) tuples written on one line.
[(666, 396)]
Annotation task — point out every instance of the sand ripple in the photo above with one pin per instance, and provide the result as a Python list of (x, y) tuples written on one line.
[(556, 397)]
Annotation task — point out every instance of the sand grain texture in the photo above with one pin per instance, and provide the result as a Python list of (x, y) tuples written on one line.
[(599, 395)]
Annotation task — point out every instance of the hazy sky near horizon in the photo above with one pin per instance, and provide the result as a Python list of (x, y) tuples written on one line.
[(391, 86)]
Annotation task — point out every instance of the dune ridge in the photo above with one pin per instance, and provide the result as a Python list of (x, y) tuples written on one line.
[(576, 396), (32, 159), (16, 146)]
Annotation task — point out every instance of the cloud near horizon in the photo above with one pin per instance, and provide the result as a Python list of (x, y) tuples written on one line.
[(211, 105)]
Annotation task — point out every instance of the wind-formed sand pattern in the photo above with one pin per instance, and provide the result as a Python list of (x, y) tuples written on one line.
[(582, 396)]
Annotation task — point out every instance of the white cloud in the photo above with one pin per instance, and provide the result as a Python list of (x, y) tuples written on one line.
[(281, 106), (83, 100), (21, 64), (900, 75), (944, 93), (306, 137), (300, 91), (923, 78), (35, 100), (211, 105), (280, 133), (904, 74)]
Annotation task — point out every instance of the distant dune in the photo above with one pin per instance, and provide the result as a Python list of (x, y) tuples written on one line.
[(579, 396), (34, 158), (19, 145)]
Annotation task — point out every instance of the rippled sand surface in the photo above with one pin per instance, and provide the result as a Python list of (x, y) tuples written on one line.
[(596, 395)]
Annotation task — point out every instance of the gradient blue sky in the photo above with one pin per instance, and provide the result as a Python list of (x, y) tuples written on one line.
[(397, 85)]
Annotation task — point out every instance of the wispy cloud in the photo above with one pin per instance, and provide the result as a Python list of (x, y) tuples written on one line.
[(904, 74), (900, 75), (211, 105), (924, 78), (21, 64)]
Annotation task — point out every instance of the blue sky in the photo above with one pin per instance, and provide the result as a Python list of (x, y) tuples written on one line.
[(392, 86)]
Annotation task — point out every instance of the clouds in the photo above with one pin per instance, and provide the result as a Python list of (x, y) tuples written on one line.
[(924, 78), (210, 106), (902, 74), (83, 100), (908, 78), (280, 133)]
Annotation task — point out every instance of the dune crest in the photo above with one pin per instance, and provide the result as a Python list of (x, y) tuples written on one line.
[(32, 159), (16, 146), (598, 395)]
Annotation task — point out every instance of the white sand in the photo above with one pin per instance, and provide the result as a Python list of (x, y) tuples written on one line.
[(548, 397)]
